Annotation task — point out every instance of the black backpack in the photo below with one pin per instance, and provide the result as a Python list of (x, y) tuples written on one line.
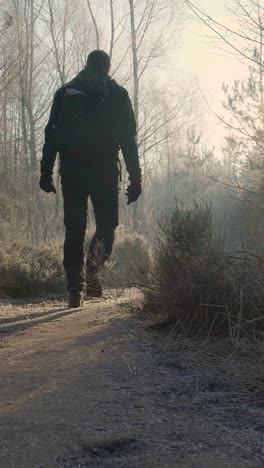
[(88, 116)]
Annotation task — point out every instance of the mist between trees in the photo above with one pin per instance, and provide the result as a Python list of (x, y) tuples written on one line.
[(44, 43)]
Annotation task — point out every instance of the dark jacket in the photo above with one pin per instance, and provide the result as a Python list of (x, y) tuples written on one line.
[(125, 129)]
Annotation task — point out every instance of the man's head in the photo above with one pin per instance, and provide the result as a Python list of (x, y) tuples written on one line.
[(98, 61)]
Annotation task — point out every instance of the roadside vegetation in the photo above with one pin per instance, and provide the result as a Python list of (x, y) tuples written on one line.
[(35, 271), (198, 286)]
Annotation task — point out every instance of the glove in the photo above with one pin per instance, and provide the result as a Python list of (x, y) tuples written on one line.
[(46, 184), (133, 192)]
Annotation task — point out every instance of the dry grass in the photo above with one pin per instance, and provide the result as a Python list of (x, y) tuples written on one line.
[(28, 271), (214, 365), (198, 287), (131, 261)]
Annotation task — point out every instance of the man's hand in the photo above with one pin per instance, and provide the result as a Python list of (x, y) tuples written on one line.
[(133, 192), (46, 184)]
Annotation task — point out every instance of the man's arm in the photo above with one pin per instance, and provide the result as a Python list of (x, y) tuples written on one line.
[(127, 139), (50, 149)]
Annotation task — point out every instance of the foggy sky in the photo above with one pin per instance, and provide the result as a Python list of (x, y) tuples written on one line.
[(198, 59)]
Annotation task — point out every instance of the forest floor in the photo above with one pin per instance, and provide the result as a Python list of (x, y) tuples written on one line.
[(91, 388)]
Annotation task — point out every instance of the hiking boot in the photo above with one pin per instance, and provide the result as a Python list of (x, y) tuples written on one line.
[(94, 286), (75, 283), (75, 299)]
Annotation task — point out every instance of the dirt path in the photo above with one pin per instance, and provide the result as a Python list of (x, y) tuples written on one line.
[(82, 389)]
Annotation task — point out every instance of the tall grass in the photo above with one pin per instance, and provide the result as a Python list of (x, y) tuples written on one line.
[(198, 287), (131, 261), (30, 271)]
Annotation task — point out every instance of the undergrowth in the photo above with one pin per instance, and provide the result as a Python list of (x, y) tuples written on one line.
[(198, 287), (131, 261), (30, 271), (33, 271)]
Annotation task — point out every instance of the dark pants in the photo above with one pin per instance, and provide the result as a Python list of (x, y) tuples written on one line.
[(79, 181)]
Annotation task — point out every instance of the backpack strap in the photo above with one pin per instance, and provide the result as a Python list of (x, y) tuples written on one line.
[(73, 91)]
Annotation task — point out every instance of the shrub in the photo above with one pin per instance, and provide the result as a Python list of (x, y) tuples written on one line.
[(30, 271), (199, 287), (131, 260)]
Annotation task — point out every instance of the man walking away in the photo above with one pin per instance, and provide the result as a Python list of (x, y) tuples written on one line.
[(91, 119)]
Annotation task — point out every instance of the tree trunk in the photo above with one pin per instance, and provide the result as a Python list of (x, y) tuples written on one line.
[(135, 59), (97, 35)]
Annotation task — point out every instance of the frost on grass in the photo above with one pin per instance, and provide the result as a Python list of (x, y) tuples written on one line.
[(200, 287)]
